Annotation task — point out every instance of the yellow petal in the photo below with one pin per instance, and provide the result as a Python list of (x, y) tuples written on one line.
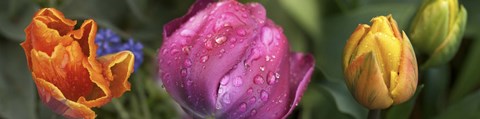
[(366, 83)]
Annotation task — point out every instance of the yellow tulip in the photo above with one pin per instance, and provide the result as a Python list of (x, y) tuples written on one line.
[(379, 64)]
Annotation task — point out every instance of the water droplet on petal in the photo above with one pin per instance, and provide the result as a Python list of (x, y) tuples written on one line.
[(241, 32), (187, 63), (252, 100), (262, 68), (243, 107), (220, 40), (226, 99), (264, 95), (189, 82), (187, 33), (258, 80), (218, 106), (184, 72), (204, 58), (253, 112), (208, 44), (267, 58), (270, 78), (225, 80), (237, 82), (164, 51), (250, 91), (174, 51), (186, 49), (277, 75)]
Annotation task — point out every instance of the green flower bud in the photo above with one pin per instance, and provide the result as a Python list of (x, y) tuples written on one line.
[(437, 30)]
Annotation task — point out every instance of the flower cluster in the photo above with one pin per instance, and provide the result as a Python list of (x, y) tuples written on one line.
[(109, 42)]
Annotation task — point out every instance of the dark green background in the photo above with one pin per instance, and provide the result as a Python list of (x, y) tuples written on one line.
[(320, 27)]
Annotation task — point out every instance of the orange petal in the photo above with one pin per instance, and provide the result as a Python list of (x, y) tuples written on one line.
[(54, 99), (117, 69)]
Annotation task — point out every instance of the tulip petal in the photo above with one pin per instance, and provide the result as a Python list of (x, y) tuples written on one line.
[(353, 43), (301, 69), (121, 65), (54, 99), (448, 48), (405, 85), (206, 50), (239, 95), (366, 82)]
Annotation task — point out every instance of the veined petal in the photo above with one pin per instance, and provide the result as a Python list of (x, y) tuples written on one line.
[(366, 82), (404, 86), (121, 65)]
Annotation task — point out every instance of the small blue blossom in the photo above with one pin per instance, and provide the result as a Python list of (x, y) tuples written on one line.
[(137, 49), (108, 42)]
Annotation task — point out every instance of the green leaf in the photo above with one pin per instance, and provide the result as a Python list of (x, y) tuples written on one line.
[(338, 29), (434, 98), (317, 104), (403, 111), (468, 77), (467, 108), (296, 37), (15, 15), (307, 13), (345, 102), (17, 90)]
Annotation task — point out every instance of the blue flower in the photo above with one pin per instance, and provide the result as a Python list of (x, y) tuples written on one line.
[(137, 49), (109, 42)]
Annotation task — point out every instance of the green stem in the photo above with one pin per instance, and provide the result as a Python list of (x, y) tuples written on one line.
[(374, 114)]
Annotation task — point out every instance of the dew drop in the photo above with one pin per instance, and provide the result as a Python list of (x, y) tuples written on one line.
[(237, 82), (184, 72), (225, 80), (253, 112), (270, 78), (262, 68), (226, 99), (241, 32), (243, 107), (187, 33), (258, 80), (187, 63), (277, 75), (164, 51), (250, 91), (174, 51), (204, 58), (189, 82), (264, 95), (267, 58), (208, 44), (186, 49), (220, 40), (252, 100), (218, 106)]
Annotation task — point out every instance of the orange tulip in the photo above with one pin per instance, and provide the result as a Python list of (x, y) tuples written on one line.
[(70, 78)]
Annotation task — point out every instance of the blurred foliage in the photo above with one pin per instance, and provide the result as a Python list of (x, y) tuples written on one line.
[(320, 27)]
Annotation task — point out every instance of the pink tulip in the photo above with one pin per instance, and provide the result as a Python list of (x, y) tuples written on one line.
[(227, 60)]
